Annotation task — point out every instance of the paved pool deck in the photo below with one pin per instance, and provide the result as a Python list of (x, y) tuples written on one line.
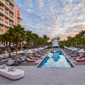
[(49, 76)]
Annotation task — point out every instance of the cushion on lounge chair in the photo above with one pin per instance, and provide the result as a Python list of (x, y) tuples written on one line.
[(3, 66), (77, 57)]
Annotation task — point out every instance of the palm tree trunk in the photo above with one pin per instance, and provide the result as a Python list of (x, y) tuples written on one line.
[(16, 47), (28, 44), (83, 42), (20, 45), (9, 47), (13, 44), (6, 45), (34, 43)]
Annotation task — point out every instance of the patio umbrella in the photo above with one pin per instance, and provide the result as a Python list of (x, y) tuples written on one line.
[(30, 51), (20, 52), (41, 48), (82, 51), (35, 49), (75, 49)]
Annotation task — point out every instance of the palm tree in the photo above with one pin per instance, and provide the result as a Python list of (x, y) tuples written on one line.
[(46, 38), (10, 34), (29, 37), (35, 38), (18, 33)]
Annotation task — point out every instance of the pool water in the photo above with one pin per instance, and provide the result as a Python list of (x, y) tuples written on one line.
[(55, 59)]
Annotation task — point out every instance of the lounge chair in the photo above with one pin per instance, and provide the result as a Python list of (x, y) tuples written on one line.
[(33, 58), (17, 74), (80, 60), (30, 60), (21, 59), (10, 62), (77, 57)]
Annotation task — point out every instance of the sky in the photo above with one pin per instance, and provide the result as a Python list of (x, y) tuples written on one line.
[(53, 17)]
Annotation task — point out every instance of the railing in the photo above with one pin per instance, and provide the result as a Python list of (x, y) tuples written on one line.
[(11, 15), (7, 3), (6, 29), (8, 6), (1, 20), (2, 0), (1, 17), (6, 12), (7, 15), (6, 21), (1, 7), (11, 7), (12, 0), (1, 27)]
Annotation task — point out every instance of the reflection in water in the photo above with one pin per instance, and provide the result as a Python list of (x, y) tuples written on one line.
[(55, 59)]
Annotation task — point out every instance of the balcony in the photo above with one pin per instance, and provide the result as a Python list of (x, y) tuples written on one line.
[(2, 0), (7, 12), (12, 2), (11, 15), (6, 5), (6, 29), (1, 28), (1, 32), (3, 13), (1, 20), (1, 7), (6, 21), (19, 17), (7, 2), (1, 17), (2, 23), (11, 7)]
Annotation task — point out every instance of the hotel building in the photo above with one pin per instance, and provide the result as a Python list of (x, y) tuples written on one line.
[(9, 15)]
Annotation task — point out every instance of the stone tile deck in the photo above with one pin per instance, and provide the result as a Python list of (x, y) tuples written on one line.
[(49, 76)]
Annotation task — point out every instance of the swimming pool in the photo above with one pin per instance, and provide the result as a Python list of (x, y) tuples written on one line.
[(55, 59)]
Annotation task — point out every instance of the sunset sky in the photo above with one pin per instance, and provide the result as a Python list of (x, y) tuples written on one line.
[(53, 17)]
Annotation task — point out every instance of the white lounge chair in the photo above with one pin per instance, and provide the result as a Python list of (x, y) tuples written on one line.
[(17, 74), (10, 62)]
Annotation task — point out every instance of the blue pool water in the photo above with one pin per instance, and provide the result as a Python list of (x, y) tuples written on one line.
[(55, 59)]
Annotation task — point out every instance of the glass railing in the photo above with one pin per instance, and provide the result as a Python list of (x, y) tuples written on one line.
[(11, 7), (1, 8), (1, 20), (1, 28), (1, 17), (7, 3)]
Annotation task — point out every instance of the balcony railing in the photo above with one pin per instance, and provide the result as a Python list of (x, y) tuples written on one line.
[(11, 15), (12, 0), (1, 27), (6, 12), (6, 15), (1, 7), (1, 18), (2, 0), (6, 29), (7, 3), (6, 21), (11, 7)]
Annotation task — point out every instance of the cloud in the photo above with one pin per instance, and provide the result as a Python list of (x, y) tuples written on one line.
[(53, 17)]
